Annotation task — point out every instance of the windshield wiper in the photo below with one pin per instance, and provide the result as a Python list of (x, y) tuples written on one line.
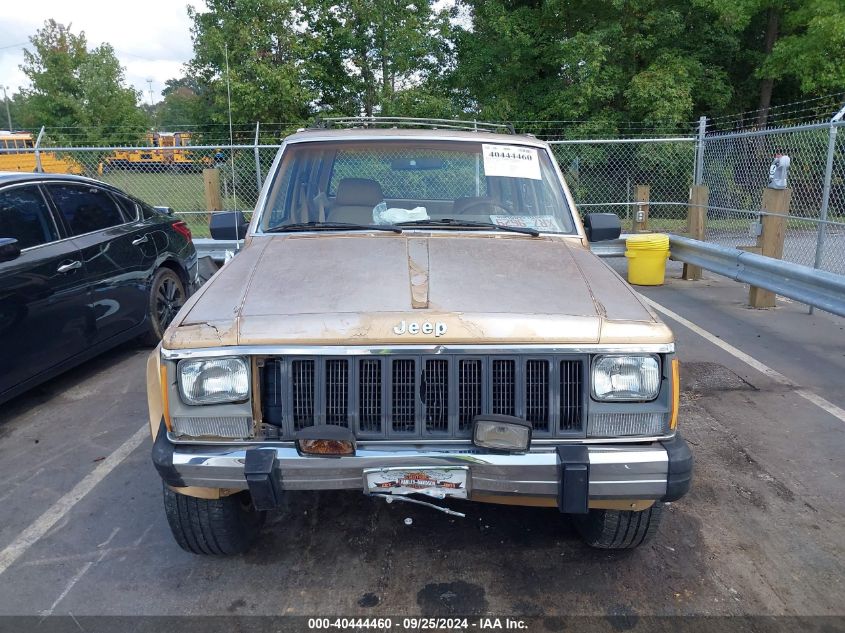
[(332, 226), (454, 222)]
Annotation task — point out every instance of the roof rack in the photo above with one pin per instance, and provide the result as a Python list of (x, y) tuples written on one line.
[(399, 121)]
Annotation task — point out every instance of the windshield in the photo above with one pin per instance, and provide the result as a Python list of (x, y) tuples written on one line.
[(387, 182)]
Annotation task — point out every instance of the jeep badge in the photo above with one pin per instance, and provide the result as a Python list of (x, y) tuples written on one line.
[(438, 328)]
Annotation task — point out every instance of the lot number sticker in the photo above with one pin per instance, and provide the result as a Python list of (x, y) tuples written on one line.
[(511, 161), (540, 222)]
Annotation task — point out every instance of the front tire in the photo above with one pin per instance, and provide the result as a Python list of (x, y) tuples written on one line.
[(167, 296), (619, 529), (217, 527)]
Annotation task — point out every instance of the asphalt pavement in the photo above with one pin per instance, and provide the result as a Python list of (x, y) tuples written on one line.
[(82, 528)]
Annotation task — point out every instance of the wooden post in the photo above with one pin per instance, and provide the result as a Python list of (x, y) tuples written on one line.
[(642, 195), (211, 182), (770, 241), (699, 197)]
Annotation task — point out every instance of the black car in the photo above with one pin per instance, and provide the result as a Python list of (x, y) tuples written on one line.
[(83, 267)]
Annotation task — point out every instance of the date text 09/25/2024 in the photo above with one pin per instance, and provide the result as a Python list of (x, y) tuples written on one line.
[(417, 624)]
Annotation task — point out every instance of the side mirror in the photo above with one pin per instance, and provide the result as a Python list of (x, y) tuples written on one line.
[(228, 225), (9, 249), (602, 226)]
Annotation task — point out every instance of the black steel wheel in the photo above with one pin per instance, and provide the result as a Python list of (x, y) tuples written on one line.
[(167, 296)]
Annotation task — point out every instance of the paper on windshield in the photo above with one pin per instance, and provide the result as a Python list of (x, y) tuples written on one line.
[(511, 161), (384, 215), (546, 223)]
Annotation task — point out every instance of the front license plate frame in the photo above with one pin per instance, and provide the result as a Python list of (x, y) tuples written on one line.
[(439, 482)]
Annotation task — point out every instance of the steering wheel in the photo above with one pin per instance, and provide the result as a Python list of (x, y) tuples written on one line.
[(467, 210)]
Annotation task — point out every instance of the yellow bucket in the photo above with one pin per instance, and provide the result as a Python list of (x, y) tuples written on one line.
[(647, 254)]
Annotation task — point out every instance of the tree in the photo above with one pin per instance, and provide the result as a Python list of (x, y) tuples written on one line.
[(183, 105), (265, 61), (610, 60), (810, 51), (78, 93), (790, 49), (369, 56)]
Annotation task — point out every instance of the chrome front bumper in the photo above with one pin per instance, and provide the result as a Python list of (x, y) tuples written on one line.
[(660, 470)]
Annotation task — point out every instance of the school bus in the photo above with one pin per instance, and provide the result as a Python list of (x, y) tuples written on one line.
[(20, 156), (165, 151)]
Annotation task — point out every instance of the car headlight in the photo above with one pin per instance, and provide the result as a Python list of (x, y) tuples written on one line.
[(213, 380), (626, 378)]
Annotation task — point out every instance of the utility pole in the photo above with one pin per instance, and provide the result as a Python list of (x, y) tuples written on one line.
[(8, 113), (152, 106), (231, 140)]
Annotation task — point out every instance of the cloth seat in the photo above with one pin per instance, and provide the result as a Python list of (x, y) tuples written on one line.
[(355, 200)]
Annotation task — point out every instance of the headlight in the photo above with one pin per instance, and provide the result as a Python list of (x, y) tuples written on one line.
[(213, 380), (626, 377)]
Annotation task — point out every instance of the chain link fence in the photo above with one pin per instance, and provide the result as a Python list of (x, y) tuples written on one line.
[(164, 177), (603, 175), (735, 169)]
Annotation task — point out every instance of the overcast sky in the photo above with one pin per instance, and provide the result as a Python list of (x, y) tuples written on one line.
[(152, 38)]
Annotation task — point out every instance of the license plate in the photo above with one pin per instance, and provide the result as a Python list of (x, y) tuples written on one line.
[(435, 482)]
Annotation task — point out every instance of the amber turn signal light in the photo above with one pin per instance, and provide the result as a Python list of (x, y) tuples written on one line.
[(165, 397), (676, 393), (325, 440)]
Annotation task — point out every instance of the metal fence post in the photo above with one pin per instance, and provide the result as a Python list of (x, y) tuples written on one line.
[(38, 166), (698, 168), (258, 178), (828, 176)]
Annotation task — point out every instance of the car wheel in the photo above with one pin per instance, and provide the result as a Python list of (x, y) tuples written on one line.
[(167, 296), (619, 529), (220, 527)]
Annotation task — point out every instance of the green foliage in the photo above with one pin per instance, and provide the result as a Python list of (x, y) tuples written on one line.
[(183, 104), (812, 51), (602, 63), (265, 55), (645, 60), (74, 87)]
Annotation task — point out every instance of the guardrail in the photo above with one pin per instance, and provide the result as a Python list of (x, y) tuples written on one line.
[(805, 284), (609, 248), (813, 287), (216, 249)]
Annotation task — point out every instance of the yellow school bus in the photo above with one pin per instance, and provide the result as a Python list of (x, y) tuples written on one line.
[(20, 156), (165, 151)]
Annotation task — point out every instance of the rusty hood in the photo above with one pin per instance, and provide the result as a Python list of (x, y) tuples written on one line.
[(362, 289)]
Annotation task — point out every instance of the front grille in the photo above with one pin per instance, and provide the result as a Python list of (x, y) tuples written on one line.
[(504, 387), (469, 392), (302, 380), (424, 396), (403, 406), (571, 404), (369, 396), (537, 394), (435, 383), (337, 392)]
